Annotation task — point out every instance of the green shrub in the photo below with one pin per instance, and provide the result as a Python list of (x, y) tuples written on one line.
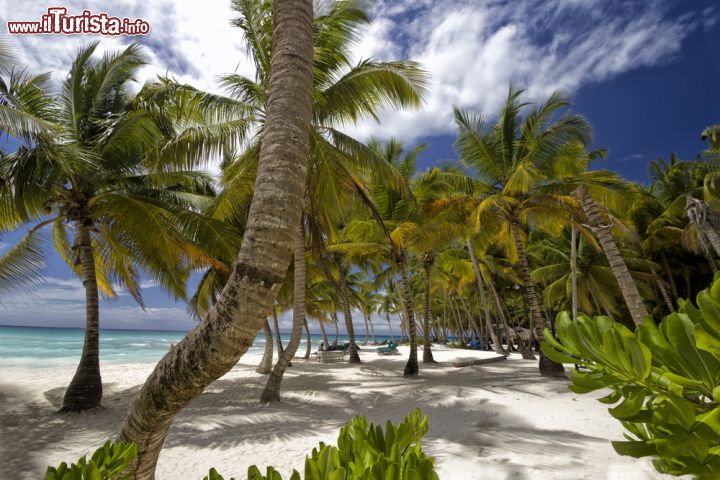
[(363, 452), (108, 462), (665, 381)]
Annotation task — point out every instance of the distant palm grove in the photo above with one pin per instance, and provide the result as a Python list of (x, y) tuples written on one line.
[(522, 225)]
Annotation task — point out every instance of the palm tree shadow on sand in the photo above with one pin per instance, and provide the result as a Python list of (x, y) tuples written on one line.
[(315, 403)]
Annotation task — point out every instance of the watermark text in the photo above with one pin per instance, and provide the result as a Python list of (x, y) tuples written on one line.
[(57, 22)]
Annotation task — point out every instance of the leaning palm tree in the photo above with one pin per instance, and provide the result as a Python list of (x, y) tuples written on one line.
[(226, 332), (602, 223), (524, 165), (343, 93), (102, 181)]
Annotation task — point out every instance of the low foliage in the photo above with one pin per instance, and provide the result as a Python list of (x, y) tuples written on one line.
[(363, 452), (665, 381), (108, 462)]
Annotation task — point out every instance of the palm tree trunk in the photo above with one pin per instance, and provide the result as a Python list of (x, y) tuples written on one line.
[(326, 344), (458, 321), (427, 352), (711, 235), (617, 264), (697, 212), (387, 316), (497, 345), (354, 357), (85, 389), (308, 349), (500, 312), (278, 339), (711, 263), (367, 329), (670, 275), (411, 368), (573, 269), (337, 330), (663, 291), (271, 392), (596, 303), (216, 344), (372, 330), (265, 366), (547, 367), (472, 323)]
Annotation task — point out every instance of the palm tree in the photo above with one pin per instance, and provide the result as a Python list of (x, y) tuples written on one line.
[(101, 180), (226, 332), (601, 225), (343, 93), (435, 227), (524, 165), (381, 223)]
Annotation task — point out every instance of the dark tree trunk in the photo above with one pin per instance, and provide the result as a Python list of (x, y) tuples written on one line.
[(411, 368), (271, 393), (427, 352), (472, 323), (670, 275), (278, 338), (367, 329), (326, 343), (265, 366), (308, 348), (501, 314), (85, 390), (573, 270), (547, 367), (617, 264), (212, 348), (497, 344), (337, 331), (387, 316), (354, 357), (663, 291)]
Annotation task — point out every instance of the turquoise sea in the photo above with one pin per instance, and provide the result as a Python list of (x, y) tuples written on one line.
[(48, 347)]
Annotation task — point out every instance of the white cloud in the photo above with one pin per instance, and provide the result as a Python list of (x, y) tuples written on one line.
[(475, 50), (195, 44)]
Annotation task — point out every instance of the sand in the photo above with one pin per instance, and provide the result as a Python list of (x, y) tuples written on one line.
[(491, 422)]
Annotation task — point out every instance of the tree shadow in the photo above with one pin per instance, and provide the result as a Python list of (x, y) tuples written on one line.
[(23, 456), (316, 402)]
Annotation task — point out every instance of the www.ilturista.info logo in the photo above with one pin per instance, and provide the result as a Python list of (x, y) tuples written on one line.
[(57, 21)]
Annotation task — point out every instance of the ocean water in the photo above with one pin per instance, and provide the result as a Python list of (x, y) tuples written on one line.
[(49, 347)]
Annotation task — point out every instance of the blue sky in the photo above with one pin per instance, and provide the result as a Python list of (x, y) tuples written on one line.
[(645, 73)]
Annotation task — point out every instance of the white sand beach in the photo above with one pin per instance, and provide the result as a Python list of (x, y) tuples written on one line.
[(491, 422)]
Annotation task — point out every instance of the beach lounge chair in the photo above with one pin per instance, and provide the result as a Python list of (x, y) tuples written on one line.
[(475, 344), (390, 349), (331, 356)]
